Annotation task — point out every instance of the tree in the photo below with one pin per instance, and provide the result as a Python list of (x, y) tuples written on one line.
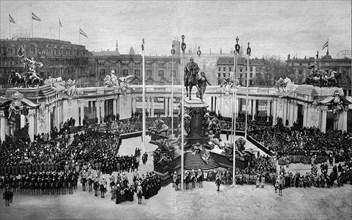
[(275, 68)]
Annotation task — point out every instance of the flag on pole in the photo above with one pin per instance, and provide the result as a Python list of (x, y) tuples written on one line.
[(326, 45), (82, 33), (35, 17), (143, 44), (11, 19), (60, 23)]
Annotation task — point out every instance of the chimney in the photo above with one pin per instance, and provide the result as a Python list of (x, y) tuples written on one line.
[(288, 57)]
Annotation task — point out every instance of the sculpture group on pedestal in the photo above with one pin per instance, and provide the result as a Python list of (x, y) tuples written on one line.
[(322, 78), (123, 83), (29, 77)]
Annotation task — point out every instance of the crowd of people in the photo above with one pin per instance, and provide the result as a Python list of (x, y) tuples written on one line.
[(302, 145)]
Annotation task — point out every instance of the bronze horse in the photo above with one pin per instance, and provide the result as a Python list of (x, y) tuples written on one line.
[(16, 79), (191, 77)]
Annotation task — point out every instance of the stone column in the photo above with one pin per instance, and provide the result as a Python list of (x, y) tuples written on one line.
[(48, 119), (102, 104), (268, 103), (2, 125), (254, 108), (152, 106), (342, 121), (323, 119), (170, 107), (114, 105), (284, 115), (165, 106), (274, 111), (148, 105), (97, 106), (31, 114), (134, 104), (305, 115), (81, 105)]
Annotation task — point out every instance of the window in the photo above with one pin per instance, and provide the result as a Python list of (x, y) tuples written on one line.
[(224, 74), (251, 68), (149, 72), (300, 71), (224, 69), (219, 68), (251, 75), (240, 69), (161, 73), (124, 72), (219, 74), (137, 72), (173, 73), (240, 75), (230, 69)]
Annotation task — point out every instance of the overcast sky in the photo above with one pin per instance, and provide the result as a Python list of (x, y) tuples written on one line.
[(272, 27)]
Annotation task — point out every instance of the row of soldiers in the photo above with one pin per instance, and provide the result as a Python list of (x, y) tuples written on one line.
[(42, 182)]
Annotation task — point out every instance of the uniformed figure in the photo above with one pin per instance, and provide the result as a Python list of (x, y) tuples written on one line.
[(200, 178), (174, 180), (218, 182), (193, 179), (103, 185), (262, 179), (96, 186), (7, 196), (139, 192)]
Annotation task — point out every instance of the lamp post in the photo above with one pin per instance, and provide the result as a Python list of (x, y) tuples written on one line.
[(246, 120), (172, 91), (183, 47), (143, 96), (234, 108)]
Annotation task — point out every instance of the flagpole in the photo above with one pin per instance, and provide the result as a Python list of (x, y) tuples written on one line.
[(59, 29), (143, 102), (79, 36), (172, 92), (183, 47), (234, 120), (32, 24), (246, 120), (10, 28)]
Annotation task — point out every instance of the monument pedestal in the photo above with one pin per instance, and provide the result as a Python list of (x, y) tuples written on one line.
[(196, 109)]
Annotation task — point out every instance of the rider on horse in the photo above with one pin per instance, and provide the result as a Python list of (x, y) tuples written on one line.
[(191, 76)]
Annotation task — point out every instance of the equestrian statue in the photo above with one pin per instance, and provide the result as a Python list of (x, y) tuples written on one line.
[(191, 77), (29, 78)]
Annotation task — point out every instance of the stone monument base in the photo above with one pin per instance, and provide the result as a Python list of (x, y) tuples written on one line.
[(196, 108)]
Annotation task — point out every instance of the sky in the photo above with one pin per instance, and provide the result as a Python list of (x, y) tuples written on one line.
[(273, 28)]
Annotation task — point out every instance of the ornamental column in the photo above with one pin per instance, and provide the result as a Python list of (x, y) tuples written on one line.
[(97, 106), (102, 105), (152, 107), (254, 108), (268, 103), (134, 104), (2, 125), (81, 102), (274, 111), (114, 105), (305, 115), (148, 105), (31, 114), (323, 119)]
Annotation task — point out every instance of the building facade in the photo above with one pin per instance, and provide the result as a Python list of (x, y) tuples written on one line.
[(225, 65), (59, 58)]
